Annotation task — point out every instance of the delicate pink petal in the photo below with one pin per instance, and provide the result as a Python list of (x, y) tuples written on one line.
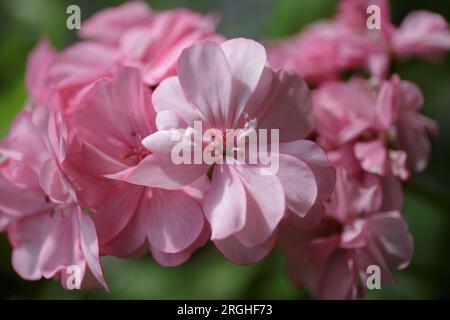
[(246, 59), (263, 213), (317, 161), (55, 184), (394, 238), (225, 204), (116, 211), (373, 156), (160, 172), (27, 238), (175, 221), (36, 78), (299, 184), (90, 248), (176, 259), (284, 105), (241, 254), (109, 24), (207, 82), (169, 96)]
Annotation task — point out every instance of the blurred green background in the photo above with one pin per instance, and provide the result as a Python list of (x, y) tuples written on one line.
[(208, 275)]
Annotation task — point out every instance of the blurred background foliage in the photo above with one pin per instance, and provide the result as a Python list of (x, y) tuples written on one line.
[(208, 275)]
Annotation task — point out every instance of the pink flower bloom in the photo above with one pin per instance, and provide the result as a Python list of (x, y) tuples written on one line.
[(155, 49), (110, 121), (373, 117), (229, 86), (325, 50), (422, 34), (39, 208), (332, 260), (130, 35), (321, 52)]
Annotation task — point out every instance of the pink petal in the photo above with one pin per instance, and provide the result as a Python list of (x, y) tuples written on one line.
[(38, 64), (394, 238), (299, 184), (176, 259), (175, 221), (225, 205), (169, 96), (90, 248), (159, 171), (27, 238), (246, 59), (372, 156), (241, 254), (109, 24), (116, 211), (263, 213), (317, 161), (55, 184), (207, 82), (285, 105)]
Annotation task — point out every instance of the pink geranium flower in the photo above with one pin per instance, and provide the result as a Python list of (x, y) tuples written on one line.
[(129, 35), (230, 86), (333, 259), (39, 207), (110, 121), (380, 121), (325, 50)]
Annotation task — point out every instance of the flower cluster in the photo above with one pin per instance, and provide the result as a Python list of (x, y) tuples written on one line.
[(374, 137), (88, 168)]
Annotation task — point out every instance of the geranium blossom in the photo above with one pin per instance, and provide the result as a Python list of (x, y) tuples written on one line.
[(327, 49), (111, 121), (47, 228), (150, 40), (332, 259), (379, 120), (226, 86), (155, 135)]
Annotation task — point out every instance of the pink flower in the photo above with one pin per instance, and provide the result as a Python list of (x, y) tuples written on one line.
[(39, 207), (155, 49), (371, 118), (422, 34), (325, 50), (321, 52), (333, 259), (229, 86), (110, 121), (130, 35)]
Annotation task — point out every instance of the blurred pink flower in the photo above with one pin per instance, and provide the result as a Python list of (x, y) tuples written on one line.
[(422, 34), (332, 260), (108, 25), (324, 51), (379, 120), (129, 35), (321, 52), (39, 208)]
